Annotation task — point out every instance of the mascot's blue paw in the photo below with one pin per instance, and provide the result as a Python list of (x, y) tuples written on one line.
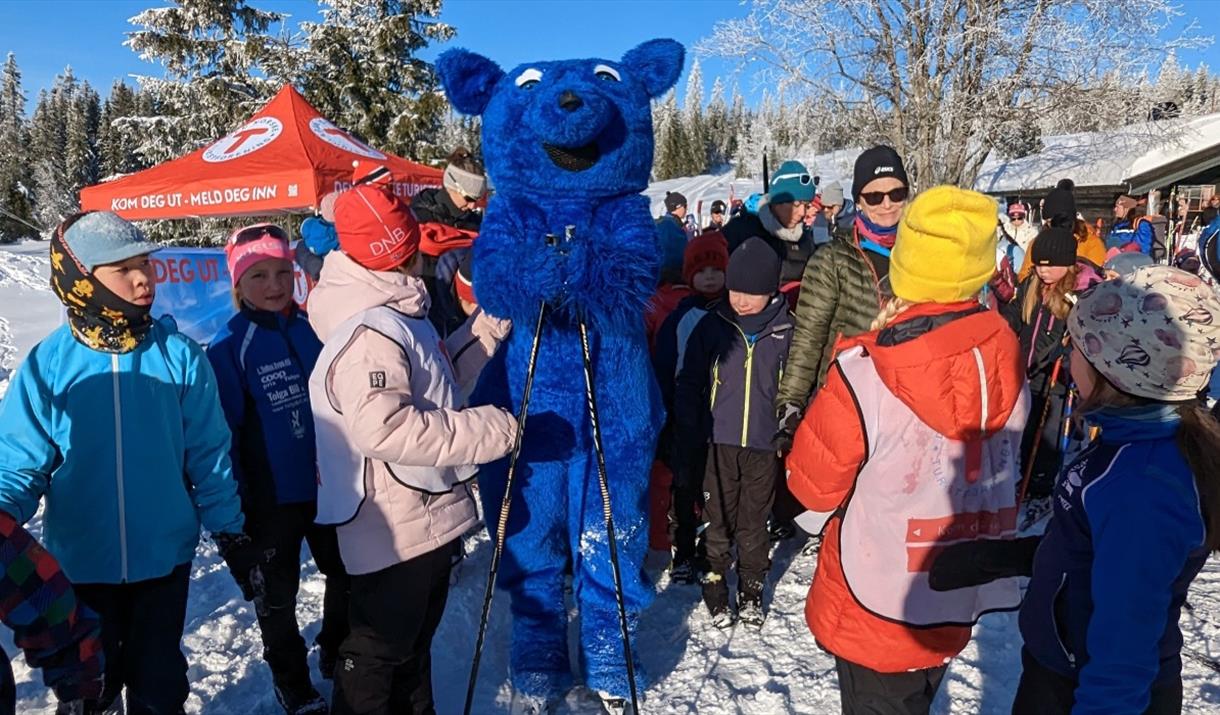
[(568, 146)]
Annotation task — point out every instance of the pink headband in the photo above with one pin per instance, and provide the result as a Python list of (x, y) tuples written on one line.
[(242, 257)]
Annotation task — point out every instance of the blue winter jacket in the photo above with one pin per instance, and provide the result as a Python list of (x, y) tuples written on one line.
[(130, 450), (263, 361), (1123, 233), (1111, 574)]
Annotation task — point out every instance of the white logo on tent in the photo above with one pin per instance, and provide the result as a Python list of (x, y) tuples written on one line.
[(249, 138), (325, 130)]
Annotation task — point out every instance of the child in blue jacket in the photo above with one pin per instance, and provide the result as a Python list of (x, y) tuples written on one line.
[(1136, 515), (263, 358), (114, 419)]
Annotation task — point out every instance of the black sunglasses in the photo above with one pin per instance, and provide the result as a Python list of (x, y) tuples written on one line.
[(254, 233), (874, 198)]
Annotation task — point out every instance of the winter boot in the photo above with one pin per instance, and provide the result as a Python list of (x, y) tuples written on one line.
[(682, 571), (614, 705), (716, 598), (781, 530), (749, 603), (326, 662), (300, 701), (527, 704)]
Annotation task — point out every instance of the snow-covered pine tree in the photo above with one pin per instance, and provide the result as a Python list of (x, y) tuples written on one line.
[(82, 113), (697, 144), (213, 52), (362, 69), (15, 180), (720, 135), (116, 148), (53, 198)]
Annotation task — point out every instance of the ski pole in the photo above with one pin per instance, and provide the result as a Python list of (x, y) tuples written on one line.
[(605, 489), (1067, 420), (1046, 412), (496, 555)]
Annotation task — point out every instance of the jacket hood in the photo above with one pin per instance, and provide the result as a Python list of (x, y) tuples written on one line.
[(962, 377), (345, 288)]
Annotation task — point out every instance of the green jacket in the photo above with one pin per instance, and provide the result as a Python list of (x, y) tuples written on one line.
[(839, 296)]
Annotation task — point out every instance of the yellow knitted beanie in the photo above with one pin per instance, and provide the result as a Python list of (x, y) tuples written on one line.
[(945, 250)]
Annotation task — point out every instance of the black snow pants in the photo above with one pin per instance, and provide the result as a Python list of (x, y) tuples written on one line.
[(284, 528), (738, 492), (142, 625), (1049, 458), (1044, 692), (385, 664), (864, 691)]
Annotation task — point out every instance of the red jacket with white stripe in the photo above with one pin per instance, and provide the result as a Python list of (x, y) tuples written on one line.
[(956, 374)]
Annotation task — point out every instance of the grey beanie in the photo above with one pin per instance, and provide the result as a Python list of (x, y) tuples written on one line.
[(754, 268), (102, 237), (832, 195)]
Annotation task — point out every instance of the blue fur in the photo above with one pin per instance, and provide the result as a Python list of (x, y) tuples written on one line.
[(600, 264)]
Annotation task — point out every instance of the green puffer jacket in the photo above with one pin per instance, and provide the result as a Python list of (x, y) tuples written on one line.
[(839, 296)]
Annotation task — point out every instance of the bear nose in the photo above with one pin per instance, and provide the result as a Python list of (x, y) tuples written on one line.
[(569, 101)]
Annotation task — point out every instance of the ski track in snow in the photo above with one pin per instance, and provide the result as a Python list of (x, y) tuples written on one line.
[(696, 668)]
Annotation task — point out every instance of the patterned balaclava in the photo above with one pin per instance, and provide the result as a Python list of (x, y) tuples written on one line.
[(98, 318)]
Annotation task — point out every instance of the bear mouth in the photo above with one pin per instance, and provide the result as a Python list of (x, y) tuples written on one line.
[(574, 158)]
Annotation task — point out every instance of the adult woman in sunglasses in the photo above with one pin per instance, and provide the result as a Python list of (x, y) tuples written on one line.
[(845, 283)]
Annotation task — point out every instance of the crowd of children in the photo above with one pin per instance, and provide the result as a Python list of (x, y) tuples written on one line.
[(922, 409)]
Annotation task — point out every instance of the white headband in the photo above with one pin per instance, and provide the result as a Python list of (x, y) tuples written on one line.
[(464, 182)]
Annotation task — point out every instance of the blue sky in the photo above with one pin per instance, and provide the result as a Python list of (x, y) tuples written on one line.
[(48, 35)]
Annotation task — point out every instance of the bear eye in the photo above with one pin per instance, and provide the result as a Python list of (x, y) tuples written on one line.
[(608, 73), (528, 78)]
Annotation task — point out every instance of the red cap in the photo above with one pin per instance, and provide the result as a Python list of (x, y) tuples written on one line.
[(375, 228), (368, 172), (703, 251)]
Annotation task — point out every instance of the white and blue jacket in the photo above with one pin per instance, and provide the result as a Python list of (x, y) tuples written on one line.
[(263, 361), (1124, 234), (1111, 574), (130, 450)]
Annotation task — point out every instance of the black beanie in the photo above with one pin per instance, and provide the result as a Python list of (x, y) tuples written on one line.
[(674, 200), (1054, 246), (1059, 207), (875, 163), (753, 268)]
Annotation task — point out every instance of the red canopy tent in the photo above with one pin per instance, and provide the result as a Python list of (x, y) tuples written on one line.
[(285, 159)]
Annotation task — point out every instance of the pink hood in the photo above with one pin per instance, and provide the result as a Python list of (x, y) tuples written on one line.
[(346, 288)]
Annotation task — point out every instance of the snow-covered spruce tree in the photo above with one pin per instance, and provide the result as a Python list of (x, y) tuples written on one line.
[(948, 75), (15, 179), (720, 134), (361, 68), (116, 148), (213, 53), (697, 142)]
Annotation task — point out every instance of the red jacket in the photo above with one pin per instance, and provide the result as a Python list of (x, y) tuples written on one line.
[(663, 302), (937, 376)]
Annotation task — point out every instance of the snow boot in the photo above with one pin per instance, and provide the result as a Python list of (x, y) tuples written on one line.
[(614, 705), (682, 571), (300, 700), (527, 704), (716, 598), (326, 663), (781, 530), (749, 604)]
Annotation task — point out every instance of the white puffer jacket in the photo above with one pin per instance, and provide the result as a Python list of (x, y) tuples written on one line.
[(394, 448)]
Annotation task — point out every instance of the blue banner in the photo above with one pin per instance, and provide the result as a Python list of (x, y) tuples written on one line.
[(193, 285)]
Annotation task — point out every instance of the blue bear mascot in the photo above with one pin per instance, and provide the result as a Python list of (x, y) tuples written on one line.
[(568, 146)]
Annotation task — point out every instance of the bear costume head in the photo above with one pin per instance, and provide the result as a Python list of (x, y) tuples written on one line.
[(571, 127)]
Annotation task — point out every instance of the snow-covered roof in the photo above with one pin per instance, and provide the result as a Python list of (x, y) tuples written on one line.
[(1120, 157)]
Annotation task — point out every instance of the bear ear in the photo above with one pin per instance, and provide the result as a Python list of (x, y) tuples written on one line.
[(469, 79), (657, 63)]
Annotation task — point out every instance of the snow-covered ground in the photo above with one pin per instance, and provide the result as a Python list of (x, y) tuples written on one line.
[(697, 668)]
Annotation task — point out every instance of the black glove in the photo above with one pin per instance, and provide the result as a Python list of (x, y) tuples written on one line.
[(975, 563), (789, 417), (246, 561)]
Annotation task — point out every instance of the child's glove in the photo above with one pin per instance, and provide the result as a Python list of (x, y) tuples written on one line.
[(246, 561), (975, 563), (789, 417)]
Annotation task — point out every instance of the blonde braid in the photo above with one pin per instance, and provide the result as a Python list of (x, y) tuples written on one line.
[(892, 309)]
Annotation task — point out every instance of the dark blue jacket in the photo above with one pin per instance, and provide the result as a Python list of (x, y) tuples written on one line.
[(262, 362), (1111, 574), (733, 370), (1124, 233)]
